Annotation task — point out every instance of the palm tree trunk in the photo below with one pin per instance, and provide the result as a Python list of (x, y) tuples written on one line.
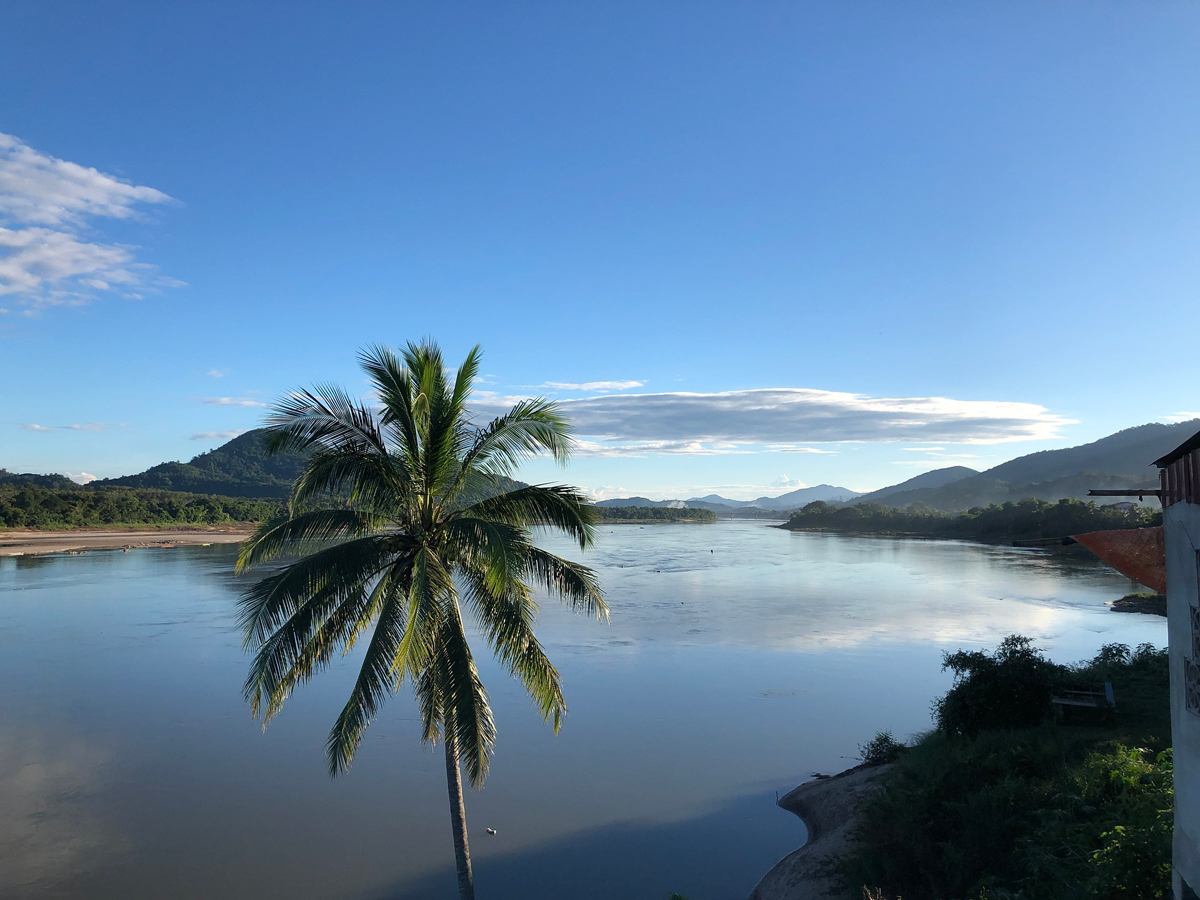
[(458, 820)]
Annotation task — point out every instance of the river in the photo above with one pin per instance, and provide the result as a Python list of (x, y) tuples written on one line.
[(739, 660)]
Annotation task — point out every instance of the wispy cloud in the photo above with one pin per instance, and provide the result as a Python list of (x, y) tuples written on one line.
[(233, 401), (792, 448), (1181, 417), (586, 448), (592, 385), (47, 257), (82, 426), (218, 435), (215, 373), (789, 418)]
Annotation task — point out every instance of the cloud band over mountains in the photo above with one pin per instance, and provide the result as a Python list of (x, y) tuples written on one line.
[(785, 417)]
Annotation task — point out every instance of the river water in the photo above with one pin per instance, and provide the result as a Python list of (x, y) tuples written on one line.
[(740, 659)]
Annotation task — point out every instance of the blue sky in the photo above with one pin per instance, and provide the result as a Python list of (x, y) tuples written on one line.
[(794, 226)]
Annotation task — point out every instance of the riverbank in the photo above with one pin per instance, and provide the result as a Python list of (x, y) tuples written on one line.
[(83, 540), (828, 807)]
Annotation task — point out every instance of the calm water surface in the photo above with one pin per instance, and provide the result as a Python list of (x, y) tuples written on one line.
[(739, 660)]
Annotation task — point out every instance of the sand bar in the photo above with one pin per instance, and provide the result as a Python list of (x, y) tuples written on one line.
[(829, 809), (82, 540)]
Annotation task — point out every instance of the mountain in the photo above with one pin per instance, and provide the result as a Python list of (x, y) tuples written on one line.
[(795, 499), (719, 504), (935, 479), (58, 482), (1121, 461), (641, 501), (239, 468), (1128, 452), (716, 500)]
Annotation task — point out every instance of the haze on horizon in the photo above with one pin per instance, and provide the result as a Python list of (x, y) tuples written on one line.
[(749, 249)]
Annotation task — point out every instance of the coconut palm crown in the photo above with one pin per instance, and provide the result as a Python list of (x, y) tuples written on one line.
[(403, 523)]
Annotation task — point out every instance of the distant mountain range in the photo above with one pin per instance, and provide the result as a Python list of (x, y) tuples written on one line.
[(1121, 461)]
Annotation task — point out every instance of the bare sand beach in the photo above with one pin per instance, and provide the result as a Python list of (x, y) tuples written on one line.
[(83, 540)]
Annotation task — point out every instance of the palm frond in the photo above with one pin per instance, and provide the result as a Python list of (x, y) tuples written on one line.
[(530, 427), (466, 709), (325, 417), (541, 505), (362, 476), (507, 620), (344, 567), (296, 535), (393, 384), (574, 584), (373, 685)]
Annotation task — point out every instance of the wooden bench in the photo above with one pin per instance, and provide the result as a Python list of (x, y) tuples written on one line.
[(1092, 696)]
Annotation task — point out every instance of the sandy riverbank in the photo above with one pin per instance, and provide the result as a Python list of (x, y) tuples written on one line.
[(82, 540), (828, 807)]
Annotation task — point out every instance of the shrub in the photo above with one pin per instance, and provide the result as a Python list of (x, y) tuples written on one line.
[(1010, 688), (1047, 813), (879, 750)]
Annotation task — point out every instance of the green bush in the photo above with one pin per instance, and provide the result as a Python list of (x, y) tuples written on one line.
[(1052, 812), (1010, 688), (880, 750)]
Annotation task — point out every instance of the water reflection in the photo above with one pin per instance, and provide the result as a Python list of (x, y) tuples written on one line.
[(739, 660), (49, 823)]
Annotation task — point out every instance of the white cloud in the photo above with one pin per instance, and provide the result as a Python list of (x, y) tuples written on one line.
[(45, 208), (792, 448), (217, 435), (1181, 416), (81, 426), (81, 477), (233, 401), (656, 448), (592, 385), (783, 481), (215, 373), (789, 418)]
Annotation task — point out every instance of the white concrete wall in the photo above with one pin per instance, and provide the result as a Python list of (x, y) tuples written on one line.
[(1182, 530)]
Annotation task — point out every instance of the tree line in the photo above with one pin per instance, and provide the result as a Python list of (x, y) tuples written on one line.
[(1023, 520), (652, 514), (34, 506)]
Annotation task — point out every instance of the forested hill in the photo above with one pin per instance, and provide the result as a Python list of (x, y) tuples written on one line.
[(61, 482), (1120, 461), (240, 468)]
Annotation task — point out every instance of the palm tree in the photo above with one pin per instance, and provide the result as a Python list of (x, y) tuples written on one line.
[(403, 520)]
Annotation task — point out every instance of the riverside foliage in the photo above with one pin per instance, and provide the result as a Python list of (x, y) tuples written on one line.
[(984, 809), (33, 506), (1024, 520), (652, 514)]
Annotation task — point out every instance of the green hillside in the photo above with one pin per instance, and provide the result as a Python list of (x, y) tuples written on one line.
[(1121, 461), (240, 468), (14, 479)]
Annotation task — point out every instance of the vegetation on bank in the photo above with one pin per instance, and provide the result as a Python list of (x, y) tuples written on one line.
[(1148, 602), (1025, 520), (33, 506), (1004, 799), (619, 514)]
